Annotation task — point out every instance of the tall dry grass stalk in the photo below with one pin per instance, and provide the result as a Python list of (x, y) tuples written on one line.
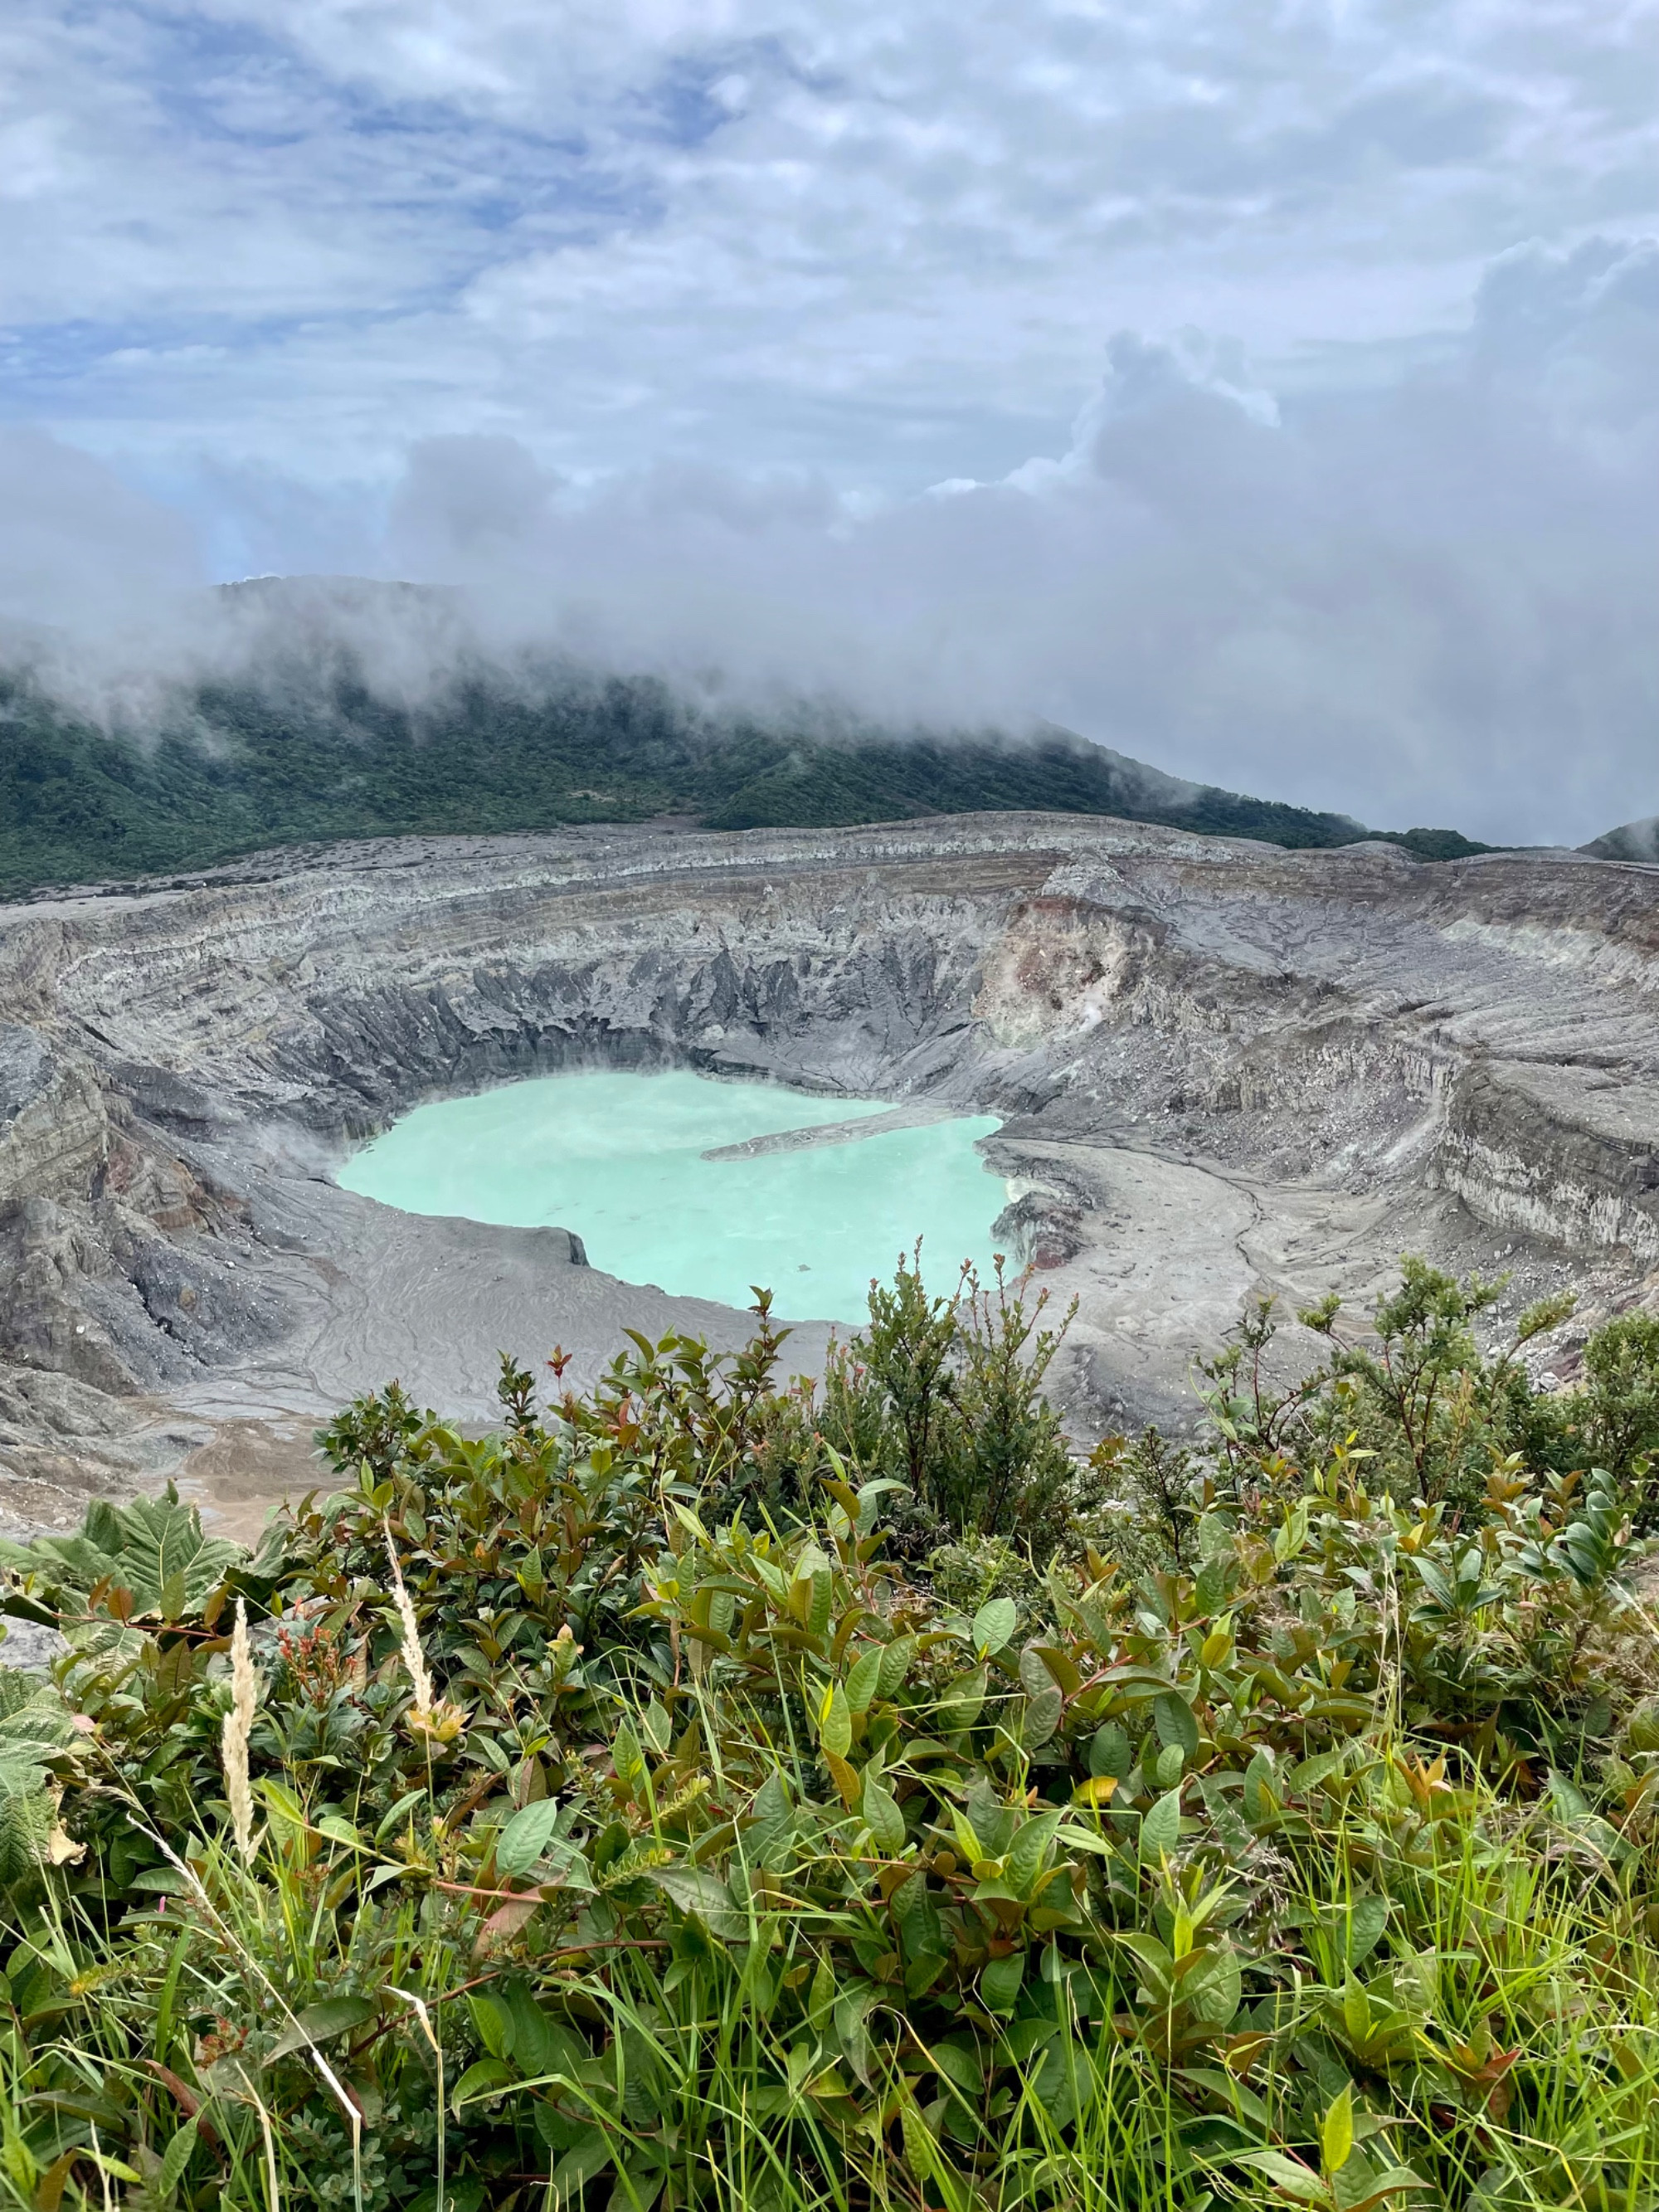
[(429, 1715), (237, 1728), (414, 1656)]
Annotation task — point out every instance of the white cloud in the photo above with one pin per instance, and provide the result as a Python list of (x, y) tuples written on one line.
[(1428, 599), (659, 317), (1425, 600), (885, 241), (79, 545)]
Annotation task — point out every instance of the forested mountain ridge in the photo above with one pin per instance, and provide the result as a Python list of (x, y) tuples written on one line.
[(296, 753)]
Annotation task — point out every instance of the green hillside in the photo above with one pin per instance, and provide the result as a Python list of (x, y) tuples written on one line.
[(240, 767)]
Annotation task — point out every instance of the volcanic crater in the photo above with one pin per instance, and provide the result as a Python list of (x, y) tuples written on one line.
[(1223, 1069)]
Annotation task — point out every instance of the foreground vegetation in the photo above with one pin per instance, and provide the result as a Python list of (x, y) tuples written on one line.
[(710, 1791), (240, 767)]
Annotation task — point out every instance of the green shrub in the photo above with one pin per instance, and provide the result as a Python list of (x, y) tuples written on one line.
[(735, 1862), (944, 1395), (1616, 1417), (1413, 1390)]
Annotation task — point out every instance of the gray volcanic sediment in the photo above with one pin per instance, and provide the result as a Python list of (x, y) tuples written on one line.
[(1223, 1067)]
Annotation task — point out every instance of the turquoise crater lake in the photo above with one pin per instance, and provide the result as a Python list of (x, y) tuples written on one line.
[(620, 1159)]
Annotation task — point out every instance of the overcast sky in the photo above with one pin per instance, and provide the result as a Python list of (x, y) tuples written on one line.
[(1269, 390)]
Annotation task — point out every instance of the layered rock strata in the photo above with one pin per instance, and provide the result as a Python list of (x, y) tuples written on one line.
[(1223, 1068)]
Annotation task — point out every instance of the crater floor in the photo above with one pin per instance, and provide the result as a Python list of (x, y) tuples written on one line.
[(1223, 1068)]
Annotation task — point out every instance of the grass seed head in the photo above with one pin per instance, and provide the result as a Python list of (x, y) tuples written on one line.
[(237, 1727), (429, 1715)]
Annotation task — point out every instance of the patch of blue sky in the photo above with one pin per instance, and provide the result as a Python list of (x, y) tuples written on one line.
[(238, 87), (58, 369), (683, 108), (695, 95), (215, 80)]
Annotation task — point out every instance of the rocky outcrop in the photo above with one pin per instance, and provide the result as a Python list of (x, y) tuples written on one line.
[(1567, 1153), (54, 1127), (1251, 1068), (1040, 1230)]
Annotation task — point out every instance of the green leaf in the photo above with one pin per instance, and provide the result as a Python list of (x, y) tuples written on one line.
[(999, 1982), (584, 2162), (534, 2036), (1109, 1753), (1393, 2181), (1336, 2130), (399, 1812), (639, 2183), (1063, 2073), (864, 1678), (1080, 1839), (283, 1804), (626, 1756), (154, 1547), (176, 2158), (494, 2023), (895, 1660), (852, 2029), (483, 2078), (1293, 1535), (1289, 2174), (321, 2023), (994, 1623), (1260, 1798), (1210, 1591), (881, 1815), (1173, 1718), (1231, 2091), (30, 1709), (697, 1891), (772, 1802), (835, 1722), (1568, 1802), (773, 1822), (958, 2060), (1160, 1828), (463, 2196), (960, 1702), (817, 1618), (1042, 1714), (116, 2168), (968, 1846), (1309, 1773), (913, 1909), (1029, 1850), (1366, 1922), (527, 1837), (1213, 1989), (870, 1495)]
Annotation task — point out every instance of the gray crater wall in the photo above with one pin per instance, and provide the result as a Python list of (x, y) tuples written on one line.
[(1224, 1068)]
